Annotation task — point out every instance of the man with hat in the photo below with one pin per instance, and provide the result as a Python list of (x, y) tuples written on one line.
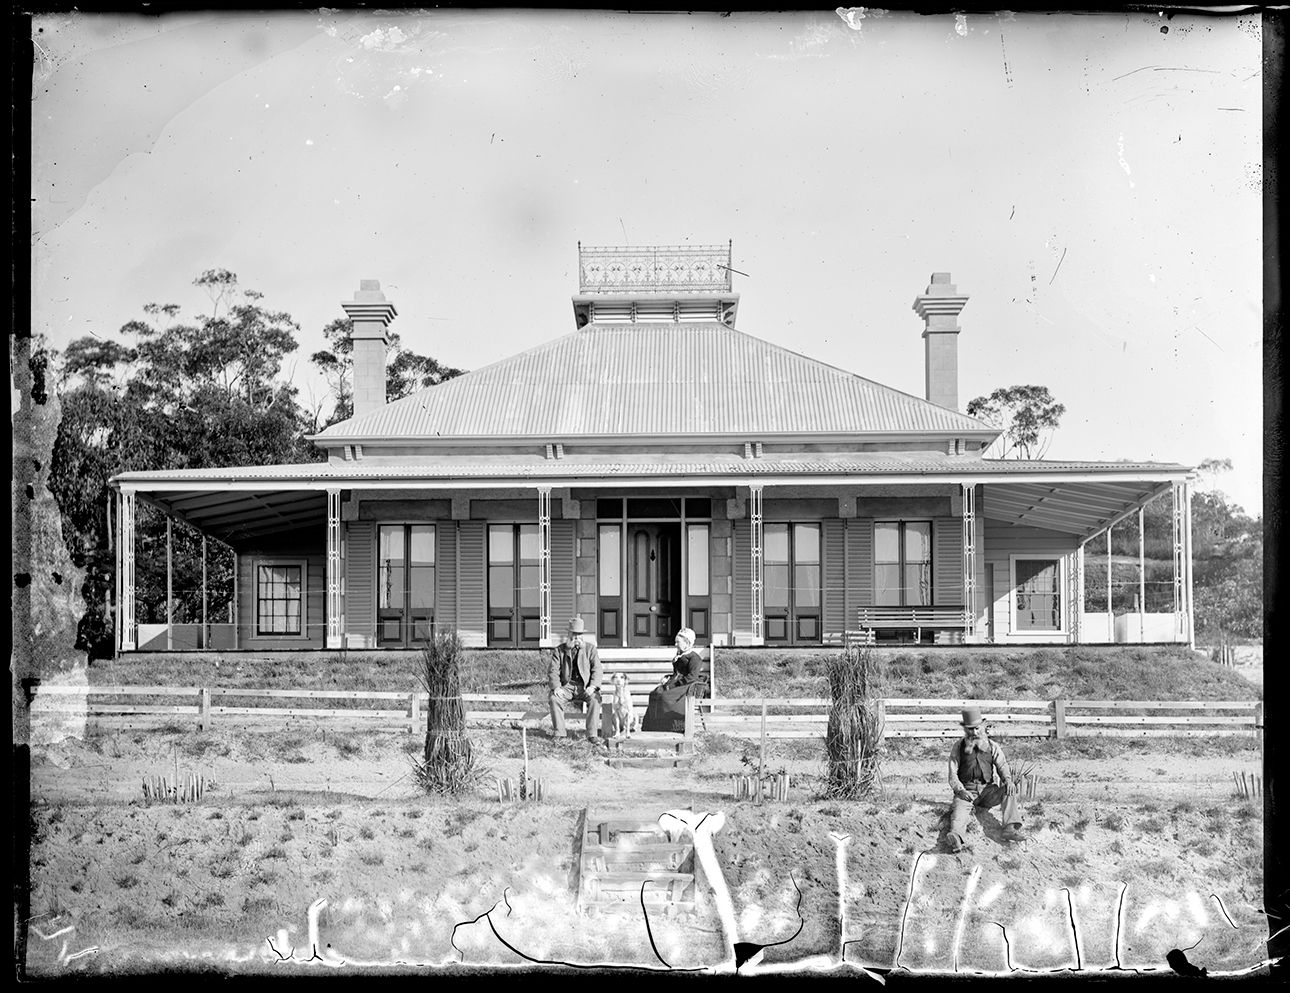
[(575, 675), (974, 762)]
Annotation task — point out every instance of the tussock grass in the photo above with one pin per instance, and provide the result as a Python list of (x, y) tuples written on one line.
[(854, 734)]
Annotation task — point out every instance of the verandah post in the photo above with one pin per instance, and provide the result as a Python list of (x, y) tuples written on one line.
[(170, 592)]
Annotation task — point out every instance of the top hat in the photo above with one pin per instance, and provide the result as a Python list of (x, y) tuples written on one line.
[(972, 717), (576, 626)]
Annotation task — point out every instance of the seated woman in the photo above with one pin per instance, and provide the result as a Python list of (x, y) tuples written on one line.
[(666, 710)]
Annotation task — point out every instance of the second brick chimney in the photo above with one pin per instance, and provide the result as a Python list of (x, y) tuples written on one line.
[(939, 307), (370, 314)]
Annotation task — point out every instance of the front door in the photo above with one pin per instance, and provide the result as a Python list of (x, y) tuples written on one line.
[(653, 583)]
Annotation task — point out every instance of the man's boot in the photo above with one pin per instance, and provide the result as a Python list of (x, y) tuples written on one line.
[(954, 843), (1013, 833)]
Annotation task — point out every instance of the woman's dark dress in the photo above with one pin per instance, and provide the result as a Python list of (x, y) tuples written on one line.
[(666, 710)]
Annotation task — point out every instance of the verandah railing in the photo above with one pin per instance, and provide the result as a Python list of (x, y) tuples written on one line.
[(903, 717)]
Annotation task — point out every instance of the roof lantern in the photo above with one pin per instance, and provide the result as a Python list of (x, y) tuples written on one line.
[(656, 284)]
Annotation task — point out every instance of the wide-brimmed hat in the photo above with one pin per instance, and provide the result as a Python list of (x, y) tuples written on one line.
[(576, 626), (972, 717)]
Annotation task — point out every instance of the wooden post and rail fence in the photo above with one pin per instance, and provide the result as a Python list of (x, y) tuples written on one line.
[(901, 717)]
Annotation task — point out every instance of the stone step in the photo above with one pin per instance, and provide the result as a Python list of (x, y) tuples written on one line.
[(655, 858), (648, 761)]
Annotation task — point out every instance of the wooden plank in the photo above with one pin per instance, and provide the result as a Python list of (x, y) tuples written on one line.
[(896, 701), (487, 698), (1152, 732), (723, 719), (49, 690), (137, 708), (1165, 704), (956, 718), (496, 715), (354, 713), (727, 702), (771, 732), (313, 694), (1104, 719)]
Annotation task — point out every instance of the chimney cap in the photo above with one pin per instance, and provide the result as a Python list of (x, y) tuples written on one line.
[(369, 291), (940, 277)]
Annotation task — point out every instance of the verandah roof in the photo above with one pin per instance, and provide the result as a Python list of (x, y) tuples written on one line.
[(238, 503)]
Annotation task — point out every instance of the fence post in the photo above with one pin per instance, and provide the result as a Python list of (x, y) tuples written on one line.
[(1059, 718), (414, 713), (882, 719), (690, 709), (1258, 722), (204, 708)]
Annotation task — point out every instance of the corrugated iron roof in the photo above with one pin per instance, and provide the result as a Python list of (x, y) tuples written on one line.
[(653, 379), (570, 468)]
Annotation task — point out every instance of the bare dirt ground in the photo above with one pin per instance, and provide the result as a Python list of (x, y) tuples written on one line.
[(314, 845)]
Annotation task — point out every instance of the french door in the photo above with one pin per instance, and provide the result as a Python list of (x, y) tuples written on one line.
[(405, 580)]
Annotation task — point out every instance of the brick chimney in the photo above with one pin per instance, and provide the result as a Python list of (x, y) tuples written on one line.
[(371, 314), (939, 307)]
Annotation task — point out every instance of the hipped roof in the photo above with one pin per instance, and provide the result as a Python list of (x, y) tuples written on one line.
[(700, 379)]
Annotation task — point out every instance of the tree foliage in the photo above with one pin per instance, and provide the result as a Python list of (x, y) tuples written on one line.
[(1027, 416), (405, 370), (165, 392)]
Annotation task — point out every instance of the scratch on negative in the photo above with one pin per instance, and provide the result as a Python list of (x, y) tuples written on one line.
[(1059, 265)]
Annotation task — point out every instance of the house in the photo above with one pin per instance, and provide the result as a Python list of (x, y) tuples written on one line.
[(653, 468)]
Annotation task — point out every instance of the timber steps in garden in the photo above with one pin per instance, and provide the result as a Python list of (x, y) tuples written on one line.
[(619, 854), (651, 748)]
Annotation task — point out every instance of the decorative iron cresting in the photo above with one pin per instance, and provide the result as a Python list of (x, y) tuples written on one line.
[(659, 268)]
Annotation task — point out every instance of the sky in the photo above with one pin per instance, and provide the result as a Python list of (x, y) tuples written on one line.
[(1092, 182)]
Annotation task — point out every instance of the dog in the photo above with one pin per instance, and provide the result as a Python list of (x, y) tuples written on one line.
[(623, 708)]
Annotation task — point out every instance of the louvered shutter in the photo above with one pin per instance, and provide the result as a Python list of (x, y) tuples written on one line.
[(562, 572), (947, 561), (445, 607), (859, 566), (742, 570), (360, 580)]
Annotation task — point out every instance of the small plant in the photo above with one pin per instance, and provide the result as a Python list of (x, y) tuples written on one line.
[(276, 852), (1113, 821), (372, 858), (296, 815), (223, 869), (286, 836), (127, 882), (366, 833)]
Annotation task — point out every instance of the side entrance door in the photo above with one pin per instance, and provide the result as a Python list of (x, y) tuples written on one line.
[(653, 583)]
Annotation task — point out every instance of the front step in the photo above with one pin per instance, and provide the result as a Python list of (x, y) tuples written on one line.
[(650, 748), (619, 855)]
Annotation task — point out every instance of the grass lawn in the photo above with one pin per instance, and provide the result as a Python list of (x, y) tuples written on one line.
[(1086, 672)]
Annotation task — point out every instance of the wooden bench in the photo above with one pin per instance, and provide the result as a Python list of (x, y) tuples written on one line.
[(894, 618), (644, 668)]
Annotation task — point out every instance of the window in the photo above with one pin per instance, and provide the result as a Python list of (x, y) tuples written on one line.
[(280, 599), (791, 582), (698, 580), (902, 563), (405, 583), (514, 584), (1037, 598)]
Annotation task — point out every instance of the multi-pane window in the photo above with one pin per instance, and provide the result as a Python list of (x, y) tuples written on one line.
[(405, 582), (1037, 583), (791, 581), (279, 600), (514, 584), (902, 563)]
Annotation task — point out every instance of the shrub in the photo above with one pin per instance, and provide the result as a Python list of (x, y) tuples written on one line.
[(854, 734), (450, 765)]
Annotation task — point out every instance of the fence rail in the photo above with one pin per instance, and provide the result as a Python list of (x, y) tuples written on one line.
[(782, 717)]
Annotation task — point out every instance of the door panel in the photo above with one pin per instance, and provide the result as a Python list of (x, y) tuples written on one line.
[(653, 583)]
